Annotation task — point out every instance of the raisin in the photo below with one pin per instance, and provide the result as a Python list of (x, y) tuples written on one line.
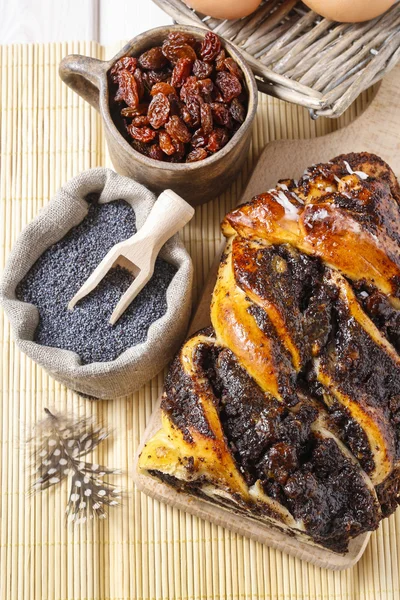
[(182, 100), (142, 134), (190, 86), (158, 112), (206, 118), (229, 85), (153, 59), (202, 69), (221, 114), (173, 159), (129, 112), (199, 139), (173, 51), (216, 95), (140, 109), (138, 75), (150, 78), (193, 103), (127, 62), (162, 88), (181, 71), (166, 144), (177, 129), (217, 139), (155, 152), (196, 155), (220, 61), (140, 121), (180, 37), (233, 68), (140, 147), (206, 86), (127, 89), (237, 110), (179, 148), (210, 47), (175, 104), (187, 118), (235, 127)]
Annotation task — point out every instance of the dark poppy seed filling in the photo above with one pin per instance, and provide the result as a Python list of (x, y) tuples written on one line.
[(276, 446), (303, 471)]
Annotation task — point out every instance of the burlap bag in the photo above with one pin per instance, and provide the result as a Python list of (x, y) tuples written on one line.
[(137, 364)]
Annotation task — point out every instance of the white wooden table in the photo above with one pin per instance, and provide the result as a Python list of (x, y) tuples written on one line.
[(104, 21)]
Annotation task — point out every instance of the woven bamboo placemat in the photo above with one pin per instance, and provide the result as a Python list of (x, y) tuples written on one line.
[(144, 550)]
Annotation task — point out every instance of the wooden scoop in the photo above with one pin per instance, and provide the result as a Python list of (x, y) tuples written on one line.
[(138, 253)]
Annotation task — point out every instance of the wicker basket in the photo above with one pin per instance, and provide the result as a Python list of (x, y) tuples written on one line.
[(300, 57)]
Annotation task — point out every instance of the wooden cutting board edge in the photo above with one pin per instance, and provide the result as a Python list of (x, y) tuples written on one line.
[(376, 130)]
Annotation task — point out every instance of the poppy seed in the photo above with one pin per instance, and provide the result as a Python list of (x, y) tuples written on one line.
[(61, 270)]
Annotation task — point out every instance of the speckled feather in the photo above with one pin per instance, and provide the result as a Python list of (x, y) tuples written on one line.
[(60, 445)]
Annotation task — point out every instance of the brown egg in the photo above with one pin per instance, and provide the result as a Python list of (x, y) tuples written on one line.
[(224, 9), (349, 11)]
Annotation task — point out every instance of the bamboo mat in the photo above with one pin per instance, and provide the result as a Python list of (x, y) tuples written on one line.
[(144, 550)]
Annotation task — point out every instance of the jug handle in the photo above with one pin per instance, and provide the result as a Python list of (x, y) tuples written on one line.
[(83, 74)]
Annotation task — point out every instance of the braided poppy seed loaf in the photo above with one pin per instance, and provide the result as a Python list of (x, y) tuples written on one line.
[(287, 409)]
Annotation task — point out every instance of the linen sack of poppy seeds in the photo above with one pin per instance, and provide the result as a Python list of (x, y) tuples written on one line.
[(139, 363)]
